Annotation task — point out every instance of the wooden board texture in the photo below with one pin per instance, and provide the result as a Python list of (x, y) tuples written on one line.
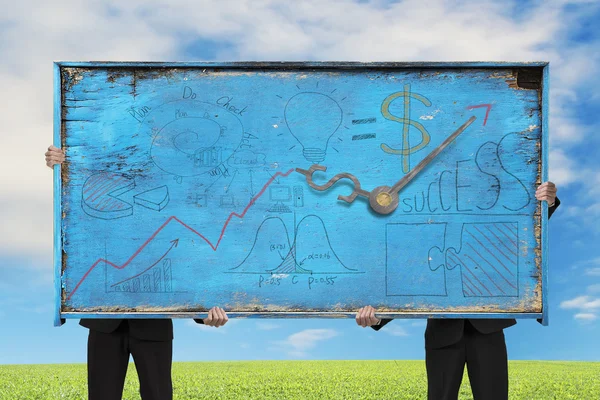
[(180, 190)]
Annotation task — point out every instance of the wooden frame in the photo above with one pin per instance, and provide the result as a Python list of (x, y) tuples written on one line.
[(538, 70)]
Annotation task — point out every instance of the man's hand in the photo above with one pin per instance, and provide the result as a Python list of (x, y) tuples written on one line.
[(366, 317), (216, 317), (54, 156), (546, 191)]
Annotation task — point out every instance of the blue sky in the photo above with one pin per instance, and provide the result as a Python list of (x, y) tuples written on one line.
[(33, 33)]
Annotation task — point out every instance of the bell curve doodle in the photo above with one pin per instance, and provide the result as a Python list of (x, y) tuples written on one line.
[(382, 199), (191, 137), (309, 252), (312, 119), (406, 150)]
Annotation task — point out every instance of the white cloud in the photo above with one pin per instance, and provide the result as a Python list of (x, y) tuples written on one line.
[(593, 271), (594, 288), (592, 262), (593, 177), (33, 33), (583, 219), (266, 326), (299, 343), (591, 266), (37, 33), (395, 330), (587, 307), (587, 303), (586, 317), (561, 168)]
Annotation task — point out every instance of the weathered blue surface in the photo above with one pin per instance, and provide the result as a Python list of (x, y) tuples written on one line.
[(179, 191), (57, 261), (544, 145)]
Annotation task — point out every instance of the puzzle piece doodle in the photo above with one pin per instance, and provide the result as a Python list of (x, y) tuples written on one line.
[(488, 259), (409, 271)]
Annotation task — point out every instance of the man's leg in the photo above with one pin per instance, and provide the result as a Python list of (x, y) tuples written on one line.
[(487, 364), (107, 364), (445, 368), (153, 365)]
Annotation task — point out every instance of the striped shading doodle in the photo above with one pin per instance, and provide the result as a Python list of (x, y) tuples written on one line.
[(488, 259), (99, 198)]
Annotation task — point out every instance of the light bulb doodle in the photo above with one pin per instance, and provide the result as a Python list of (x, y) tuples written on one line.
[(312, 119)]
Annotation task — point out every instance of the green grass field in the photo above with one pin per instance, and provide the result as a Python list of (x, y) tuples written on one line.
[(304, 380)]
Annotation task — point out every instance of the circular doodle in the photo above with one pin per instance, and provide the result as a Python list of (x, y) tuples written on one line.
[(191, 137)]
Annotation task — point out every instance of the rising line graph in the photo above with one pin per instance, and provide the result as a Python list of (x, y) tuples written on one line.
[(174, 218)]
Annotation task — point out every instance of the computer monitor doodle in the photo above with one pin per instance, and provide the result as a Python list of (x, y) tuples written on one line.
[(280, 193)]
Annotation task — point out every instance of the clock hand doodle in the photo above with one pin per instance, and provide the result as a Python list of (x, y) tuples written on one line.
[(383, 199)]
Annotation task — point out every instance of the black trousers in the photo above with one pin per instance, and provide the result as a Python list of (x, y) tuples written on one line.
[(487, 364), (108, 358)]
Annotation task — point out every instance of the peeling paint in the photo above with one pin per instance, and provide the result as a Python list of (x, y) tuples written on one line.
[(70, 78), (430, 116)]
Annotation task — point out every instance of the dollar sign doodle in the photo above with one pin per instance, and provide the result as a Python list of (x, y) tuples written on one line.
[(406, 150)]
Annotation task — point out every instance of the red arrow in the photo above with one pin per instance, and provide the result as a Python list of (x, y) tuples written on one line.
[(489, 107), (174, 218)]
